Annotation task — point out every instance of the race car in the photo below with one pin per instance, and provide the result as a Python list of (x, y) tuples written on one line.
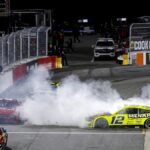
[(8, 113), (3, 138), (55, 84), (128, 116)]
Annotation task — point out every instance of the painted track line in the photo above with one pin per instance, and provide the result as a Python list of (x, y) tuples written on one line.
[(80, 133)]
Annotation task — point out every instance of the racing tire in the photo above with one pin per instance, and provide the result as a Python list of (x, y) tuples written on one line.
[(101, 123), (147, 123), (5, 144)]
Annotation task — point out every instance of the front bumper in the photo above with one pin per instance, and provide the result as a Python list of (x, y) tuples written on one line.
[(104, 54), (9, 120), (90, 124)]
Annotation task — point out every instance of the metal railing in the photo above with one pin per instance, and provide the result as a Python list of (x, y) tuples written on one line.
[(26, 43)]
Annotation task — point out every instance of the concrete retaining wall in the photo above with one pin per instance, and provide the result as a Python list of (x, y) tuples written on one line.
[(104, 72), (6, 80), (20, 70)]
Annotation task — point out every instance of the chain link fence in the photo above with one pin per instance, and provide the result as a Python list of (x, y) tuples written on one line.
[(24, 44)]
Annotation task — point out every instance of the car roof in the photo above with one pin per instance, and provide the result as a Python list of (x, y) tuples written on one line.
[(134, 106), (137, 106)]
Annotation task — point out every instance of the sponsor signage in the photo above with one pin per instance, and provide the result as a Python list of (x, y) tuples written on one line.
[(139, 115), (140, 45)]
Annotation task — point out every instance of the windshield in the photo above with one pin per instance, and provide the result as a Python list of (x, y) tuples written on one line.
[(105, 43), (8, 104)]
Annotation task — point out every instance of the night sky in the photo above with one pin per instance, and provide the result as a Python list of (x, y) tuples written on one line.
[(96, 9), (99, 11)]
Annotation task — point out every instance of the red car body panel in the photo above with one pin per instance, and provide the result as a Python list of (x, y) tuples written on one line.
[(8, 113)]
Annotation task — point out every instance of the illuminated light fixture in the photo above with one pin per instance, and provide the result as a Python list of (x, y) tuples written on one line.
[(80, 21), (121, 19), (85, 20)]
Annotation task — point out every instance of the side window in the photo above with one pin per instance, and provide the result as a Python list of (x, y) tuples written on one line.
[(128, 111), (132, 111), (143, 111), (122, 111)]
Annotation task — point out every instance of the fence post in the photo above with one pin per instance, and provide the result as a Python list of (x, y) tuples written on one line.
[(8, 43), (20, 46), (14, 48), (2, 52), (47, 40), (29, 43)]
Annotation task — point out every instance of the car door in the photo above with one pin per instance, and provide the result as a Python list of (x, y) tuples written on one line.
[(127, 116), (143, 115), (132, 116), (119, 118)]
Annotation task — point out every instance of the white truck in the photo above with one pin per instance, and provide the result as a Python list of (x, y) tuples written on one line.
[(104, 47)]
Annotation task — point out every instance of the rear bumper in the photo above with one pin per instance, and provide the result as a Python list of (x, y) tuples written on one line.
[(9, 121)]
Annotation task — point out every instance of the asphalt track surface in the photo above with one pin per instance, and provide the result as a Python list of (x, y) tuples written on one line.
[(52, 138), (22, 137)]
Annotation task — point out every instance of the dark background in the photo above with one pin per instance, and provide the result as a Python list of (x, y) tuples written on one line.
[(98, 11)]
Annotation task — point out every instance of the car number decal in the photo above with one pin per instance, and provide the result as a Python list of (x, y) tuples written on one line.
[(117, 120)]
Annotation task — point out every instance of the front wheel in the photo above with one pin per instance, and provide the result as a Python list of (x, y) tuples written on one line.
[(147, 123), (101, 123)]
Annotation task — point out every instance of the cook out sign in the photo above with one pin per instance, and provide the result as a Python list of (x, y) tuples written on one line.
[(141, 45)]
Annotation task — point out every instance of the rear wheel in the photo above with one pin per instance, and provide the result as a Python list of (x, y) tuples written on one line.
[(147, 123), (5, 142), (101, 123)]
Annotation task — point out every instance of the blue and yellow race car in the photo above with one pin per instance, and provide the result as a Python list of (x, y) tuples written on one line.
[(128, 116)]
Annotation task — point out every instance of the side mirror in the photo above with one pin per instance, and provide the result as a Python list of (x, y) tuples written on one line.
[(93, 46)]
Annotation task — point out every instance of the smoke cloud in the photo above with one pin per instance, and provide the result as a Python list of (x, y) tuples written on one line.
[(72, 102)]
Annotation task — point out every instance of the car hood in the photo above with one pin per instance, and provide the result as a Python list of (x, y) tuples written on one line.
[(106, 114), (105, 47), (101, 114)]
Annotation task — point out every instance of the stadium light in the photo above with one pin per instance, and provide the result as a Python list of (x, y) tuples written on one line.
[(85, 20)]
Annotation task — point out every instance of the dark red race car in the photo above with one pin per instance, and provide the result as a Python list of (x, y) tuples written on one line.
[(3, 138), (8, 113)]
